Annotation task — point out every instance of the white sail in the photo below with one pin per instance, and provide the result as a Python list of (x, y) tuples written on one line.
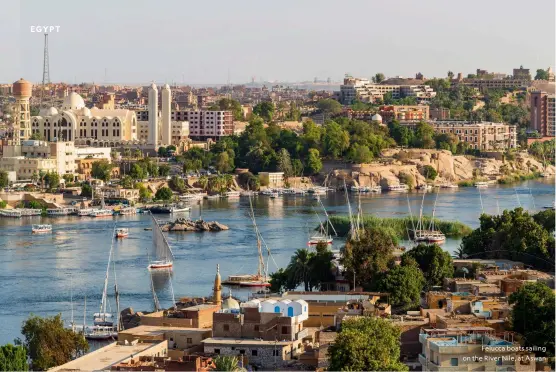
[(160, 244)]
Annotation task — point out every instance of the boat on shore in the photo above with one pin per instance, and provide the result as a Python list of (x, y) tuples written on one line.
[(232, 194), (41, 229), (429, 234), (448, 186), (65, 211), (179, 208), (481, 184), (101, 213), (127, 211), (84, 212), (398, 188), (424, 187), (191, 197), (122, 233)]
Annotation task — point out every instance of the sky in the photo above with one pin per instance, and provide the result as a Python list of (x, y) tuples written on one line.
[(211, 42)]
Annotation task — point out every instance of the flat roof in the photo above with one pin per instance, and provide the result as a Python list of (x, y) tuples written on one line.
[(199, 307), (243, 341), (144, 330), (104, 357)]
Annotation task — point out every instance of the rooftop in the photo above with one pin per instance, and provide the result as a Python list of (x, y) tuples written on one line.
[(104, 357), (154, 331), (243, 341)]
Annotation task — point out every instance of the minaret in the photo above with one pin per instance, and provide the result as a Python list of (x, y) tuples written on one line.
[(153, 115), (217, 287), (166, 116)]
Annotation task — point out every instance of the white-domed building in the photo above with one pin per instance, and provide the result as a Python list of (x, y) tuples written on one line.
[(93, 127)]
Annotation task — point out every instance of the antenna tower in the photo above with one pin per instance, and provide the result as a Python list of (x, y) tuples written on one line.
[(45, 70)]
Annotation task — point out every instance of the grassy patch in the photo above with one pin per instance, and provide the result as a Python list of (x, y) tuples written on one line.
[(400, 226)]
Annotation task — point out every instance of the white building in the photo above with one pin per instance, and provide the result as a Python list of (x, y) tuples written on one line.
[(92, 127), (365, 91)]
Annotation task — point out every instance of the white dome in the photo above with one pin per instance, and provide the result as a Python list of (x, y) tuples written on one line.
[(48, 112), (166, 86), (376, 117), (152, 86), (73, 102), (229, 304), (86, 112)]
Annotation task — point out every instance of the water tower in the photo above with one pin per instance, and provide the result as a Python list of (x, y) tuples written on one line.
[(22, 91)]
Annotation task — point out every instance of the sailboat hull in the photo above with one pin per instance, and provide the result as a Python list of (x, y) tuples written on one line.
[(246, 284), (162, 265)]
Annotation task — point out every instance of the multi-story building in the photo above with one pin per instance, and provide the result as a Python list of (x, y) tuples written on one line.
[(201, 124), (272, 179), (268, 333), (365, 91), (522, 73), (31, 157), (484, 136), (402, 113), (472, 348), (543, 113)]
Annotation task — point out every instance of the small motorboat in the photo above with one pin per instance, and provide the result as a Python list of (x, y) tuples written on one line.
[(41, 229), (162, 264), (122, 233), (481, 184)]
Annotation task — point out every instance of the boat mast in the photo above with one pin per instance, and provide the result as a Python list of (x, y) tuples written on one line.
[(105, 291), (431, 225), (117, 296), (155, 298), (327, 218), (260, 266), (410, 216), (352, 230), (71, 300), (84, 314)]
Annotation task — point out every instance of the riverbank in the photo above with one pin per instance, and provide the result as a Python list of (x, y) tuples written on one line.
[(401, 226)]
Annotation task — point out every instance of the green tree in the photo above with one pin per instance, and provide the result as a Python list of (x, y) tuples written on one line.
[(163, 193), (378, 78), (13, 358), (223, 163), (127, 182), (137, 172), (3, 204), (546, 219), (102, 170), (162, 152), (227, 363), (203, 182), (226, 104), (533, 315), (68, 178), (4, 182), (265, 110), (435, 263), (312, 134), (177, 184), (36, 136), (52, 180), (127, 152), (299, 267), (359, 154), (329, 106), (424, 136), (369, 256), (335, 139), (137, 153), (49, 343), (429, 172), (404, 283), (366, 344), (314, 164), (284, 163), (248, 181), (541, 74), (164, 170), (144, 193), (86, 190)]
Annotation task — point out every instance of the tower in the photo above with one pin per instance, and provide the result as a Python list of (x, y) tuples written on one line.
[(153, 115), (45, 70), (217, 287), (166, 115), (22, 90)]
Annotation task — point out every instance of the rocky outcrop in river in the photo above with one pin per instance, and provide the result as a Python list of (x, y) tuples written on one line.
[(183, 224)]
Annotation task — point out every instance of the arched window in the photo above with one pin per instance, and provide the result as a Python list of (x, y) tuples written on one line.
[(276, 309), (290, 311)]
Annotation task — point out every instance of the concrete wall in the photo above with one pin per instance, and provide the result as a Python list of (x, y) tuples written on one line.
[(265, 353)]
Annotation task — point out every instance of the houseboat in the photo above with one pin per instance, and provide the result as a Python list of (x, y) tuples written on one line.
[(398, 188), (54, 212), (41, 229), (481, 184), (122, 233)]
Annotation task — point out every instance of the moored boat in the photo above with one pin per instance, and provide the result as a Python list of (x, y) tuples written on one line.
[(101, 213), (122, 233), (127, 211), (316, 239), (232, 194), (84, 212), (398, 188), (163, 252), (41, 229), (481, 184), (54, 212)]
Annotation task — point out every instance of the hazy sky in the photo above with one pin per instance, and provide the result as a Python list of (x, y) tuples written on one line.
[(198, 42)]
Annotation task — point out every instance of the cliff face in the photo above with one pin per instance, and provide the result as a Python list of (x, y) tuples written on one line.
[(450, 168)]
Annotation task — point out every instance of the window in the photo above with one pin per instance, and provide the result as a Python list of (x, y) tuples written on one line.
[(284, 330), (242, 352), (216, 351), (275, 353), (454, 362), (254, 352), (226, 327), (189, 340), (256, 328)]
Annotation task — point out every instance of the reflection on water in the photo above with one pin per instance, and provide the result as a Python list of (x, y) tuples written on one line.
[(35, 269)]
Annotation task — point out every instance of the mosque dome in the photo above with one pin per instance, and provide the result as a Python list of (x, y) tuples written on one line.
[(230, 304), (73, 102), (86, 112), (377, 117), (166, 86), (48, 112)]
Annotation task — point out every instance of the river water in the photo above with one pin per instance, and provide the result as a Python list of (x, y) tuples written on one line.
[(38, 273)]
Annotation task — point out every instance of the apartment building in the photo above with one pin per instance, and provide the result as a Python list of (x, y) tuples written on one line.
[(543, 113), (484, 136), (201, 125), (272, 179), (472, 348), (365, 91)]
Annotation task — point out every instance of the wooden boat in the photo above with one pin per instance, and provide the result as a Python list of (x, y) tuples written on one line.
[(163, 252), (316, 239), (41, 229), (398, 188), (481, 184), (127, 211), (430, 234), (261, 278), (122, 233)]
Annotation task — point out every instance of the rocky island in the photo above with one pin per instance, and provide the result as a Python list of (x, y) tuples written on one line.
[(184, 224)]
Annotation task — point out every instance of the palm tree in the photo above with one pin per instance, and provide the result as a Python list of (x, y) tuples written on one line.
[(226, 363), (35, 177), (300, 267), (137, 153), (228, 180), (127, 152), (203, 182), (458, 253)]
